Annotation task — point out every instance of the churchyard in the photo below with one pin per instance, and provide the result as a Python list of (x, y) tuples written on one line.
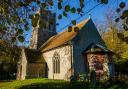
[(43, 83), (63, 44)]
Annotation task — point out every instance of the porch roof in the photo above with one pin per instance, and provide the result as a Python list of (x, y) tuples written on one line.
[(97, 48)]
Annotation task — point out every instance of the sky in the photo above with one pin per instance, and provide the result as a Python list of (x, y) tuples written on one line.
[(97, 14)]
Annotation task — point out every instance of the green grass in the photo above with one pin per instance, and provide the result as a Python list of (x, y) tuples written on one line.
[(53, 84), (14, 84)]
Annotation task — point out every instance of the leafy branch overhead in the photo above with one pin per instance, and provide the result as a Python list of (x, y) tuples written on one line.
[(122, 18), (123, 15), (16, 15)]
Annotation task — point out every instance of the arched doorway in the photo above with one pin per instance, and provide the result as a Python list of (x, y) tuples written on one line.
[(97, 65)]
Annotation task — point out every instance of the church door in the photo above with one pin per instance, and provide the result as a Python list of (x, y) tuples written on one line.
[(96, 63)]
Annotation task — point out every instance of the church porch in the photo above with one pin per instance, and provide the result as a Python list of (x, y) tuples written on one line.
[(99, 60)]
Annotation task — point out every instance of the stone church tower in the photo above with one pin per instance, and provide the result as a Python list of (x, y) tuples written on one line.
[(46, 28)]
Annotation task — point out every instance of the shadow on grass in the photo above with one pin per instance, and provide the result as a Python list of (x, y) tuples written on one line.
[(50, 85), (67, 85), (6, 80)]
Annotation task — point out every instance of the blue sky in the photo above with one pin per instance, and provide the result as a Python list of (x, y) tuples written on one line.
[(97, 14)]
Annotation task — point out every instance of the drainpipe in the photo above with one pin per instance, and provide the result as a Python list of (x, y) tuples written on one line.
[(71, 46)]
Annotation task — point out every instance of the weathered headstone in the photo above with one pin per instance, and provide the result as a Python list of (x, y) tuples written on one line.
[(93, 78)]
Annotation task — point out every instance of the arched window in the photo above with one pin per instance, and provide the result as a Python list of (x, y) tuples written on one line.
[(56, 63)]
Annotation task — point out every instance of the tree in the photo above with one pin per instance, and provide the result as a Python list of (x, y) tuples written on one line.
[(16, 15), (122, 18), (8, 59), (122, 14), (7, 52), (111, 37)]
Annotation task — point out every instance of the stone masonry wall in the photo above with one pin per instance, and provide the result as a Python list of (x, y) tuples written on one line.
[(65, 62)]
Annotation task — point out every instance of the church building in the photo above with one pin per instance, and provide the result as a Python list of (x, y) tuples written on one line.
[(69, 53)]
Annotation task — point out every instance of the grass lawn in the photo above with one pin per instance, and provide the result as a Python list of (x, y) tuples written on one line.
[(14, 84), (51, 84)]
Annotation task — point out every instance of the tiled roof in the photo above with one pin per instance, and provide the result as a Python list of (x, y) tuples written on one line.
[(61, 38), (94, 48)]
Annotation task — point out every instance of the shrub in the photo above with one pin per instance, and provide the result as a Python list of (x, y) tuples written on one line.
[(73, 78), (82, 77)]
